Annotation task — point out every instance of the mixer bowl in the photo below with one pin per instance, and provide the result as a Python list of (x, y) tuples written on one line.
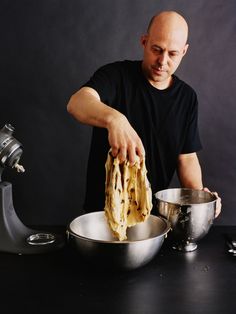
[(92, 237), (190, 212)]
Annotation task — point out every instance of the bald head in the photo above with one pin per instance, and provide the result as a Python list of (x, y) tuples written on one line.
[(169, 22), (164, 46)]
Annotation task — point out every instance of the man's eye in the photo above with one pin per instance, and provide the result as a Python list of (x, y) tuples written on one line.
[(156, 50), (173, 54)]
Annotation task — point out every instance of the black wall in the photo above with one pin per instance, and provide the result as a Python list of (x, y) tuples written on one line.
[(50, 47)]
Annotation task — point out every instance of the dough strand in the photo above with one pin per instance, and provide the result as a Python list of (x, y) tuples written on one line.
[(128, 195)]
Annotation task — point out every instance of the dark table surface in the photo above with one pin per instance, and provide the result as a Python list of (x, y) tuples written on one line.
[(203, 281)]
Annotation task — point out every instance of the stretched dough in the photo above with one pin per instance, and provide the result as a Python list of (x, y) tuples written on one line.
[(128, 195)]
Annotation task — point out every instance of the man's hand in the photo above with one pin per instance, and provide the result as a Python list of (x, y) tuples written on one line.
[(218, 201), (124, 141), (86, 106)]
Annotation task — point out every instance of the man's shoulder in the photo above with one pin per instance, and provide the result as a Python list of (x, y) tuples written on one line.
[(123, 65), (185, 86)]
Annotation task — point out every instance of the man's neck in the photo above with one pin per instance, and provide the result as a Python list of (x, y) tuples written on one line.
[(162, 85)]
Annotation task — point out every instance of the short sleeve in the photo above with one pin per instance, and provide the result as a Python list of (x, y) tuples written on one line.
[(105, 81)]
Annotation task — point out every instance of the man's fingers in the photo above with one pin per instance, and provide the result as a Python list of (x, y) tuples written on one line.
[(114, 151), (122, 155), (218, 204), (131, 155), (140, 152), (218, 201)]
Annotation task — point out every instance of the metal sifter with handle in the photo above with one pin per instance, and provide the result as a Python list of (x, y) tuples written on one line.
[(15, 237)]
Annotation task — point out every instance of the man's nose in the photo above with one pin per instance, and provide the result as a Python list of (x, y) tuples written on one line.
[(163, 58)]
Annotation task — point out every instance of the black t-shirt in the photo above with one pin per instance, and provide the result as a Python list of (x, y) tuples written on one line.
[(165, 120)]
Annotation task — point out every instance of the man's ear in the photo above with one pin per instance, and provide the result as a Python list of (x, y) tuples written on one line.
[(185, 49), (143, 40)]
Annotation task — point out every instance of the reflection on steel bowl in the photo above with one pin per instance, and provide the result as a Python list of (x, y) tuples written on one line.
[(92, 237), (190, 212)]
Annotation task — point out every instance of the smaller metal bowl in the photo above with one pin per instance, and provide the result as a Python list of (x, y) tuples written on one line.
[(190, 212), (92, 237)]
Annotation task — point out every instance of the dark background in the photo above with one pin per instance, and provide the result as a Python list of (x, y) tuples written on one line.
[(50, 47)]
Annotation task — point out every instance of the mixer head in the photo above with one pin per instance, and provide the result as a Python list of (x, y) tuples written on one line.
[(10, 149)]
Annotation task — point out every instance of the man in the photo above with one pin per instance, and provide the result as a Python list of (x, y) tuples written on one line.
[(146, 110)]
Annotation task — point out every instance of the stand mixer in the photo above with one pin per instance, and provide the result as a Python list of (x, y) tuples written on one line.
[(15, 237)]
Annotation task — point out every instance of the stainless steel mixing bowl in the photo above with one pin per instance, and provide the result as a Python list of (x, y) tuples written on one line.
[(92, 237), (190, 212)]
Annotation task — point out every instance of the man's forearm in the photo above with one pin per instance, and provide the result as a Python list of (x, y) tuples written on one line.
[(86, 107), (189, 171)]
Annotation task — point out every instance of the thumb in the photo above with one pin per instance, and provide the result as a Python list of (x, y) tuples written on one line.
[(206, 189)]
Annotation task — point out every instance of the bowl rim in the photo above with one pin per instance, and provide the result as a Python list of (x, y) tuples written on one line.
[(164, 233), (188, 204)]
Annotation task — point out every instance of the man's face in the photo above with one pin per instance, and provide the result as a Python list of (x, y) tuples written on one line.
[(163, 53)]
